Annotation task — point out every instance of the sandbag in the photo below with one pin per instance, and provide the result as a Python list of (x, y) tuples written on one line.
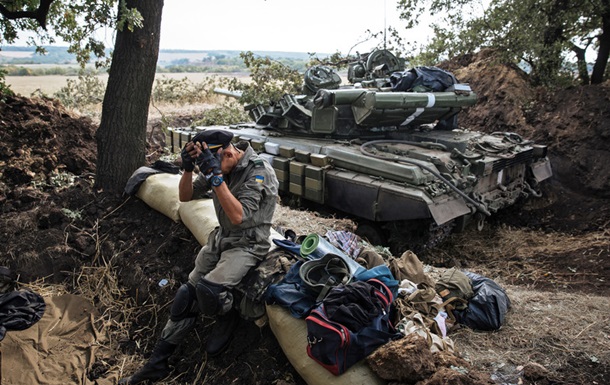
[(199, 217), (291, 334), (160, 191)]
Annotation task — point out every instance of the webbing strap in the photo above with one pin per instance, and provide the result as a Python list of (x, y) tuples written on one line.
[(449, 307)]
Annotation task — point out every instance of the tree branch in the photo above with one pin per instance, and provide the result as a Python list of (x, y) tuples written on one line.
[(40, 14)]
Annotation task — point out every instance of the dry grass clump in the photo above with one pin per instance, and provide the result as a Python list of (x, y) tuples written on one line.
[(524, 255), (100, 285), (511, 242), (40, 286), (560, 331), (305, 222)]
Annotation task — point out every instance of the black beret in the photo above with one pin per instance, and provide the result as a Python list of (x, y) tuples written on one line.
[(215, 139)]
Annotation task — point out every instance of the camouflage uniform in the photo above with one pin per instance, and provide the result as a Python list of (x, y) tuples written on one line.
[(233, 250)]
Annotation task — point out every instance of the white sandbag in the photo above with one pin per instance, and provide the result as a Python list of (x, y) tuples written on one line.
[(199, 217), (160, 191), (291, 334)]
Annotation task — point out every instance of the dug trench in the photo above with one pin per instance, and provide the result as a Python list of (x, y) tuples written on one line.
[(551, 253)]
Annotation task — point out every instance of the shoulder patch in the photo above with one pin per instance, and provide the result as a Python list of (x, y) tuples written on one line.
[(258, 163), (259, 178)]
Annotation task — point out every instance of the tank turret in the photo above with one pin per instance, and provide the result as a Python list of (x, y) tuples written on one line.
[(387, 150)]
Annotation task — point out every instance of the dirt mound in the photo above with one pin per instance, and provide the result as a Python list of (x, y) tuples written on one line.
[(575, 125), (39, 139), (43, 147), (502, 90), (573, 122)]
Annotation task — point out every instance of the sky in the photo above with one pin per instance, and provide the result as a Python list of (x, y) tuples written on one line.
[(322, 26)]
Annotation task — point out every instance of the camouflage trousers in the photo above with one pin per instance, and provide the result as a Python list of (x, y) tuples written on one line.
[(227, 268)]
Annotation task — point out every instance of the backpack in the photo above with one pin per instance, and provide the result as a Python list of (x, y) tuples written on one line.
[(351, 322), (455, 288)]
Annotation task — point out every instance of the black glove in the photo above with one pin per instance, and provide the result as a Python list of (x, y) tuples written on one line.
[(187, 160), (208, 162)]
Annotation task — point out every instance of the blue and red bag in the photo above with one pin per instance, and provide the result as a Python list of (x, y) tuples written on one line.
[(349, 324)]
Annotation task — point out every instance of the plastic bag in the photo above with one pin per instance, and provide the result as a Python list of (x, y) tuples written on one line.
[(487, 308)]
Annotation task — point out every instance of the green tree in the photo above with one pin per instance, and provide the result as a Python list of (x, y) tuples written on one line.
[(122, 132), (121, 137), (74, 22), (546, 34)]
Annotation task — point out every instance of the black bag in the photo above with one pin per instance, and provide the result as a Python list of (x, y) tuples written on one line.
[(351, 322), (422, 79), (487, 308)]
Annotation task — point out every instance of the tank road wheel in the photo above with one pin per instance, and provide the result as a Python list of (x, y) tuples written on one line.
[(372, 233), (479, 220)]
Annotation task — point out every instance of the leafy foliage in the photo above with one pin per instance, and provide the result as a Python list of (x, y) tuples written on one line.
[(5, 90), (183, 90), (74, 22), (230, 113), (545, 34), (270, 80), (87, 90), (45, 71)]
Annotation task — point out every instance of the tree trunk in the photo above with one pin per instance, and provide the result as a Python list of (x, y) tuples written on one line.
[(604, 46), (121, 137), (581, 62)]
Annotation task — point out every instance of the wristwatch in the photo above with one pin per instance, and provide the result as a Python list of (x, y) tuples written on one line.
[(217, 180)]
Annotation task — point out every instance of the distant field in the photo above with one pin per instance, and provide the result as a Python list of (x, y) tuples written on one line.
[(15, 54), (27, 85)]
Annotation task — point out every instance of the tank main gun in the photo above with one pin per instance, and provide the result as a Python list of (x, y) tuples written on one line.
[(231, 94)]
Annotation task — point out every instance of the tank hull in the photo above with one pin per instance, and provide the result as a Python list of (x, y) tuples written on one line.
[(440, 177)]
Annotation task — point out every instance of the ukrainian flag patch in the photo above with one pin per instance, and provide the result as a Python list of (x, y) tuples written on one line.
[(259, 178)]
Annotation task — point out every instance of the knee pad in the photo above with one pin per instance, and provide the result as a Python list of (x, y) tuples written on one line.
[(213, 298), (183, 303)]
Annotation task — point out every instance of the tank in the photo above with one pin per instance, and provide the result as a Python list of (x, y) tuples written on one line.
[(387, 150)]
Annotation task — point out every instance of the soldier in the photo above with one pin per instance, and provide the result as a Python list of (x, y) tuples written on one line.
[(245, 192)]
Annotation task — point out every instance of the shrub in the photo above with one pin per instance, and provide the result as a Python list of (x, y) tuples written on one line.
[(87, 90), (270, 80), (5, 89), (182, 91), (231, 113)]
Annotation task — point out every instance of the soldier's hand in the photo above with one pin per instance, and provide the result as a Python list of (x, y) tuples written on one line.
[(207, 162), (187, 159)]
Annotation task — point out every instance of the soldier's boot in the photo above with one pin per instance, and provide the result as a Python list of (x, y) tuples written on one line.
[(222, 333), (156, 368)]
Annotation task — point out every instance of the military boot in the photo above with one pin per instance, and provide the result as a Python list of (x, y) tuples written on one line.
[(222, 333), (156, 368)]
